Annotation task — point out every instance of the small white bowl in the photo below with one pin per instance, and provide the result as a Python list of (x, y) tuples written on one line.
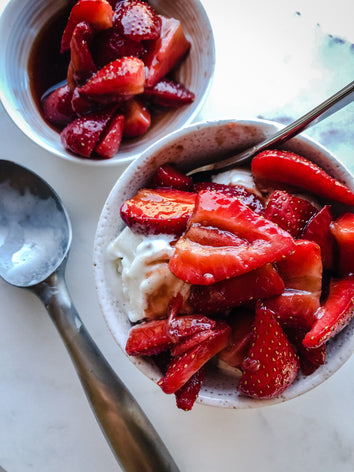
[(190, 148), (20, 23)]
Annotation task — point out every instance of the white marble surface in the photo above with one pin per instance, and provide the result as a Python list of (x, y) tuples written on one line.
[(275, 59)]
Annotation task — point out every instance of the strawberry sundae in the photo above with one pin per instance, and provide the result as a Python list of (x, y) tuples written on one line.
[(253, 269), (121, 54)]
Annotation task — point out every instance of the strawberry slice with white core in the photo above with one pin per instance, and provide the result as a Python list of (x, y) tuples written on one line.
[(257, 241), (271, 364), (137, 20), (343, 231), (124, 76), (288, 168)]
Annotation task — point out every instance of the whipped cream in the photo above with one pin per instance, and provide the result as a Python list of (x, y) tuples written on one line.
[(148, 284), (237, 176)]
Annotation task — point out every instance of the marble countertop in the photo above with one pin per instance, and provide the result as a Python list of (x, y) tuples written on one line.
[(275, 60)]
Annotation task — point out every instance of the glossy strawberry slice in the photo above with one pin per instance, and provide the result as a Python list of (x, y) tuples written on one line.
[(124, 76), (183, 367), (343, 231), (148, 338), (154, 211), (168, 93), (81, 65), (334, 315), (318, 230), (238, 191), (81, 135), (57, 107), (190, 341), (137, 118), (271, 364), (289, 212), (240, 339), (109, 142), (98, 13), (170, 177), (137, 20), (165, 52), (257, 241), (229, 293), (288, 168), (188, 393), (302, 269)]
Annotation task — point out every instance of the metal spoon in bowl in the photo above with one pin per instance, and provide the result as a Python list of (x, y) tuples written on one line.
[(322, 111), (35, 236)]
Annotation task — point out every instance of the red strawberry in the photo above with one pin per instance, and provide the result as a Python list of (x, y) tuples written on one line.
[(241, 324), (238, 191), (271, 364), (168, 93), (289, 212), (158, 211), (124, 76), (257, 241), (290, 169), (98, 13), (222, 296), (183, 367), (188, 393), (57, 107), (190, 341), (318, 230), (109, 142), (343, 231), (137, 118), (137, 20), (166, 52), (168, 176), (81, 135), (148, 338), (334, 315), (310, 358), (302, 270), (81, 65)]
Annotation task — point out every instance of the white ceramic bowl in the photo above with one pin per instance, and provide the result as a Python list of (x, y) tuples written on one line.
[(20, 23), (190, 148)]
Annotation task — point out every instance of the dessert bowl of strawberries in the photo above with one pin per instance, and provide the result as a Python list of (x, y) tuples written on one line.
[(237, 289), (98, 81)]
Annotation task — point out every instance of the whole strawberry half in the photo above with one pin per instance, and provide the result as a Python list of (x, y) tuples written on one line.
[(136, 20), (271, 364)]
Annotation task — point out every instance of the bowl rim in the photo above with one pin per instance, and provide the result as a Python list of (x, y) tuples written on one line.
[(345, 347)]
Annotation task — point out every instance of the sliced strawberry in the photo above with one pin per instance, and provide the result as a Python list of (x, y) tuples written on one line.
[(109, 142), (81, 65), (189, 342), (137, 118), (289, 212), (110, 45), (81, 135), (318, 230), (222, 296), (137, 20), (290, 169), (57, 107), (334, 315), (168, 93), (165, 52), (183, 367), (148, 338), (98, 13), (271, 364), (188, 393), (168, 176), (343, 231), (124, 76), (302, 270), (240, 339), (310, 358), (238, 191), (154, 211), (262, 241)]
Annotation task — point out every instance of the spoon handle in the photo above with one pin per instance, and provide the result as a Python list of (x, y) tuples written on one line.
[(130, 434)]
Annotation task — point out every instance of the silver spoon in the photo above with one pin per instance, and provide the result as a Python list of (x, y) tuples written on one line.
[(322, 111), (35, 236)]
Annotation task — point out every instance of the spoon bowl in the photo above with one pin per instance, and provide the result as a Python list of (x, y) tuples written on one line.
[(35, 237)]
